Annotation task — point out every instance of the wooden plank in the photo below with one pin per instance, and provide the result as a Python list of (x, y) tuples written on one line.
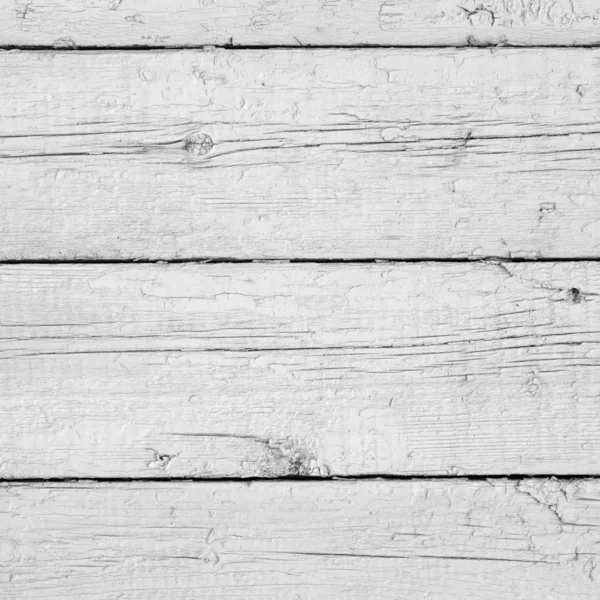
[(269, 370), (69, 23), (299, 154), (494, 540), (54, 309)]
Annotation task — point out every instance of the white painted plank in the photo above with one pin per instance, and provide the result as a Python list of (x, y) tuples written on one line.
[(53, 308), (299, 154), (67, 23), (268, 370), (441, 540)]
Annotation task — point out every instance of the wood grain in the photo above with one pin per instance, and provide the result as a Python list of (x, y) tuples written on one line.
[(299, 154), (69, 23), (269, 370), (444, 540)]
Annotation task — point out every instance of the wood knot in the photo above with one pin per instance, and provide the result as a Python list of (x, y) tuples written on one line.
[(198, 144), (574, 295)]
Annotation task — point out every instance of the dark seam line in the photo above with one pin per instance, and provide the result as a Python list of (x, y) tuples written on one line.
[(228, 260), (299, 478), (468, 45)]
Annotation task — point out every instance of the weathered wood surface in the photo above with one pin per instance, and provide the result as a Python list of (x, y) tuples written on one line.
[(69, 23), (54, 309), (442, 540), (269, 370), (299, 154)]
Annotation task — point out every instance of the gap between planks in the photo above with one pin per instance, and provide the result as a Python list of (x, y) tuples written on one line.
[(261, 47), (299, 478), (489, 260)]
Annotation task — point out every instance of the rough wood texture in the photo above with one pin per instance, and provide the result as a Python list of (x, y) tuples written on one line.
[(308, 154), (54, 309), (69, 23), (442, 540), (268, 370)]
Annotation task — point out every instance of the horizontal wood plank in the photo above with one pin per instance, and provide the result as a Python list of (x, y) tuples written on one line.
[(300, 154), (71, 23), (450, 540), (54, 309), (270, 370)]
